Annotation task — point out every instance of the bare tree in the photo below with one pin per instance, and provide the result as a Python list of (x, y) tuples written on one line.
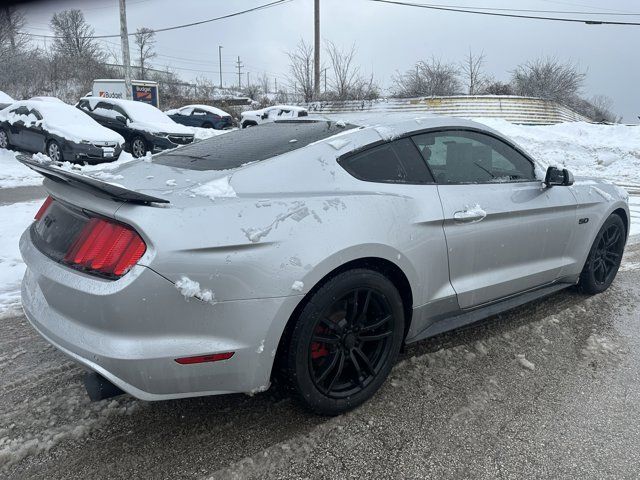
[(264, 83), (346, 82), (74, 37), (145, 43), (603, 109), (12, 21), (301, 68), (492, 86), (472, 72), (432, 78), (548, 78)]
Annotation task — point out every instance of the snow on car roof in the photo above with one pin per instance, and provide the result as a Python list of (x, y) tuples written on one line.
[(208, 108), (47, 99), (137, 111), (63, 120), (4, 98)]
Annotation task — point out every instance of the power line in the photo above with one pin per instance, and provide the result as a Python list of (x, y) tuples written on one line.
[(509, 15), (176, 27)]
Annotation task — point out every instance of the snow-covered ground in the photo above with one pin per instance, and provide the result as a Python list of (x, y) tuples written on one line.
[(14, 219)]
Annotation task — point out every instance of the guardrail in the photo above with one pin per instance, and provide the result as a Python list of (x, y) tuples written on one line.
[(525, 110)]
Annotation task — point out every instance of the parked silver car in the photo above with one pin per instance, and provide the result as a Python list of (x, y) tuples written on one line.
[(307, 249)]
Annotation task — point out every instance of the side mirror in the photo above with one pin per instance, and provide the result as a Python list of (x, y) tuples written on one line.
[(121, 119), (265, 116), (558, 177)]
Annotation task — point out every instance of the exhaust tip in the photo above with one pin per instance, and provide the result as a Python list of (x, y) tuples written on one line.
[(99, 388)]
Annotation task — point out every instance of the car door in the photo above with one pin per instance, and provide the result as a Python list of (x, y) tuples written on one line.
[(506, 233), (33, 136)]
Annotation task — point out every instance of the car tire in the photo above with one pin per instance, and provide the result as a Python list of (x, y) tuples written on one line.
[(605, 256), (4, 139), (249, 124), (207, 125), (54, 151), (138, 147), (345, 341)]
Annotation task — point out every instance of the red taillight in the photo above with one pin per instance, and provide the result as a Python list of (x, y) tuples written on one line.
[(106, 247), (45, 206), (215, 357)]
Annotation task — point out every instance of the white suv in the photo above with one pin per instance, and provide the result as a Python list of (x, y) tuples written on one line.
[(251, 118)]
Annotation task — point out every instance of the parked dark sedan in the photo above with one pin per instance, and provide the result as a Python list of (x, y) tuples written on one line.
[(59, 131), (144, 127), (202, 116)]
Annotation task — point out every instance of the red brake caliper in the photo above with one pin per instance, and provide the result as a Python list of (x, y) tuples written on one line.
[(319, 350)]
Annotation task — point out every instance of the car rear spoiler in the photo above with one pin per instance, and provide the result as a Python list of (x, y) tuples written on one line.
[(91, 184)]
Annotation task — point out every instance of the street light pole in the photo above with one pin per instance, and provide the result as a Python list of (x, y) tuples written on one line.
[(220, 62)]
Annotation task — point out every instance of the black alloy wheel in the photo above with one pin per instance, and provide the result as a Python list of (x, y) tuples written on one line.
[(346, 341), (604, 257)]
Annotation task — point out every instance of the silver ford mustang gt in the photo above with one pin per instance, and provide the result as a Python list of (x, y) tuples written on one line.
[(311, 250)]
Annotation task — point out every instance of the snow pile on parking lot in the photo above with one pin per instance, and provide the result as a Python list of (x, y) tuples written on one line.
[(14, 219), (15, 174), (605, 151)]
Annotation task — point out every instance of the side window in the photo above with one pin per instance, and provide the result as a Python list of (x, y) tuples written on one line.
[(36, 114), (198, 112), (395, 162), (186, 111), (471, 157)]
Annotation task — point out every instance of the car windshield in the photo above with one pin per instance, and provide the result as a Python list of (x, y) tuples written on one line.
[(240, 147)]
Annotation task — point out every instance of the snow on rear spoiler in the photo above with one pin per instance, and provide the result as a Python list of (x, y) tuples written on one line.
[(88, 183)]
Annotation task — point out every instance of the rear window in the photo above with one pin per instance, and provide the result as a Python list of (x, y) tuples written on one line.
[(398, 161), (253, 144)]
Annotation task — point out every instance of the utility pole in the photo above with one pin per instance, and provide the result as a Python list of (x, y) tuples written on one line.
[(126, 60), (239, 67), (220, 62), (248, 82), (276, 85), (316, 49)]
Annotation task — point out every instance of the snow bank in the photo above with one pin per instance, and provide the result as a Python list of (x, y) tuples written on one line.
[(14, 219), (607, 151)]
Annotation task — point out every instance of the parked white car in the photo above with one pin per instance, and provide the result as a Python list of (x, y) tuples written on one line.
[(251, 118)]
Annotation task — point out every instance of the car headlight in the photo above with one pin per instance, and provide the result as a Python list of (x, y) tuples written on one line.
[(161, 134), (85, 142)]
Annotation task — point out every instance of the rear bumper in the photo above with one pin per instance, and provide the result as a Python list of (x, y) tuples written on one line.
[(131, 330)]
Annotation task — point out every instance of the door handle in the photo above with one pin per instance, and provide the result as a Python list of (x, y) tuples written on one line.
[(469, 215)]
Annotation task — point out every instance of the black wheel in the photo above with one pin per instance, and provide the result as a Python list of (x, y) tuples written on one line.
[(207, 125), (345, 341), (54, 152), (138, 147), (4, 139), (604, 257)]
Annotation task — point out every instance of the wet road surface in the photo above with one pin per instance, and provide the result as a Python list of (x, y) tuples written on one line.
[(549, 390)]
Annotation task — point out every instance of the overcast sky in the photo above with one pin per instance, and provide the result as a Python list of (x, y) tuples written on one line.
[(388, 38)]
